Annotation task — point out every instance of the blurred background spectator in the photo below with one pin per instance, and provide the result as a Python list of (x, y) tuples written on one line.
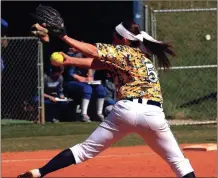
[(53, 89), (94, 30), (4, 29), (78, 87), (107, 81)]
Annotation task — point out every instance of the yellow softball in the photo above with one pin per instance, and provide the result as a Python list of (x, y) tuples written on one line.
[(57, 57)]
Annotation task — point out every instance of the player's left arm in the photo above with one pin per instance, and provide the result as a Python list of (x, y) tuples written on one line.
[(87, 49), (51, 22)]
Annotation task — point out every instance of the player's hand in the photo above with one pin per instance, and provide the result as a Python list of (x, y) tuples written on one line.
[(67, 59), (52, 18), (61, 96), (40, 32), (89, 79), (52, 99)]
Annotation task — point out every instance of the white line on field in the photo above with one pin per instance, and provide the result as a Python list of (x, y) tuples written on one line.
[(106, 156)]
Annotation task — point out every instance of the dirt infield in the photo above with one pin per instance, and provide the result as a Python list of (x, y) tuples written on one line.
[(138, 161)]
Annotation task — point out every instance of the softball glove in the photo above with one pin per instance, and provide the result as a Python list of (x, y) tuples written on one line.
[(51, 20)]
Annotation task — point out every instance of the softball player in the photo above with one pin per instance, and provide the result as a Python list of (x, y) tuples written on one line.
[(139, 107)]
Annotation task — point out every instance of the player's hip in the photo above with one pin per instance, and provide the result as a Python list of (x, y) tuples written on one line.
[(137, 105), (132, 115), (142, 97)]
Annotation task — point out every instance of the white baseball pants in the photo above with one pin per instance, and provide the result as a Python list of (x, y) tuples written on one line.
[(146, 120)]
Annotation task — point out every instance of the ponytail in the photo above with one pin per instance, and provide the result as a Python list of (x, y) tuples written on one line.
[(148, 45), (160, 50)]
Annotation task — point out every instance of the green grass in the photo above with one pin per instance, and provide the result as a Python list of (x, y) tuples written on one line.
[(10, 121), (28, 137), (186, 31), (49, 129), (181, 87)]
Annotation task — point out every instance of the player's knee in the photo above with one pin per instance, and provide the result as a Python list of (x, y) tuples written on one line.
[(100, 91), (78, 153), (87, 89), (85, 151), (87, 96)]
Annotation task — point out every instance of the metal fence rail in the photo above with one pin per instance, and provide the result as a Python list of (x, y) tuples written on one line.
[(184, 10)]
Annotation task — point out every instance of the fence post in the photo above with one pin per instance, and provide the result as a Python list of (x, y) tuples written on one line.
[(146, 18), (41, 83), (152, 31)]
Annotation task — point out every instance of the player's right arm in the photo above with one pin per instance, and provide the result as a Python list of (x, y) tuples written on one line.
[(87, 63), (51, 98), (108, 56)]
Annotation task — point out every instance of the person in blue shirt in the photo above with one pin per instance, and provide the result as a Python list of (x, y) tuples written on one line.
[(77, 86), (4, 29)]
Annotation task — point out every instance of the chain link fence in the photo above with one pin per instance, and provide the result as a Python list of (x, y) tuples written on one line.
[(21, 79), (190, 87)]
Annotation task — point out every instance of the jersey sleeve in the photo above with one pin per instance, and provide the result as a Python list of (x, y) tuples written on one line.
[(106, 50), (111, 55)]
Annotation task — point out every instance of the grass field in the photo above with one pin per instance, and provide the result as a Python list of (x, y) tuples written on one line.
[(28, 137)]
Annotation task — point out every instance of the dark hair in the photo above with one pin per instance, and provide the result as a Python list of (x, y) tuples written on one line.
[(159, 49), (55, 69)]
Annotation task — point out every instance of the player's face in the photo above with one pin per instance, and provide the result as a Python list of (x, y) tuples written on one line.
[(117, 39), (56, 74)]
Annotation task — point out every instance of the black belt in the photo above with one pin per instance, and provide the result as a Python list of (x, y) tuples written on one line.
[(149, 102)]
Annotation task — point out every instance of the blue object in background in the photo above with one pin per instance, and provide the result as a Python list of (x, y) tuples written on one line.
[(138, 13), (4, 23), (4, 26)]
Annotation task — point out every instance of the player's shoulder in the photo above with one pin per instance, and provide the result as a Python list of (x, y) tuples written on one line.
[(106, 45), (102, 46), (61, 78), (124, 49)]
